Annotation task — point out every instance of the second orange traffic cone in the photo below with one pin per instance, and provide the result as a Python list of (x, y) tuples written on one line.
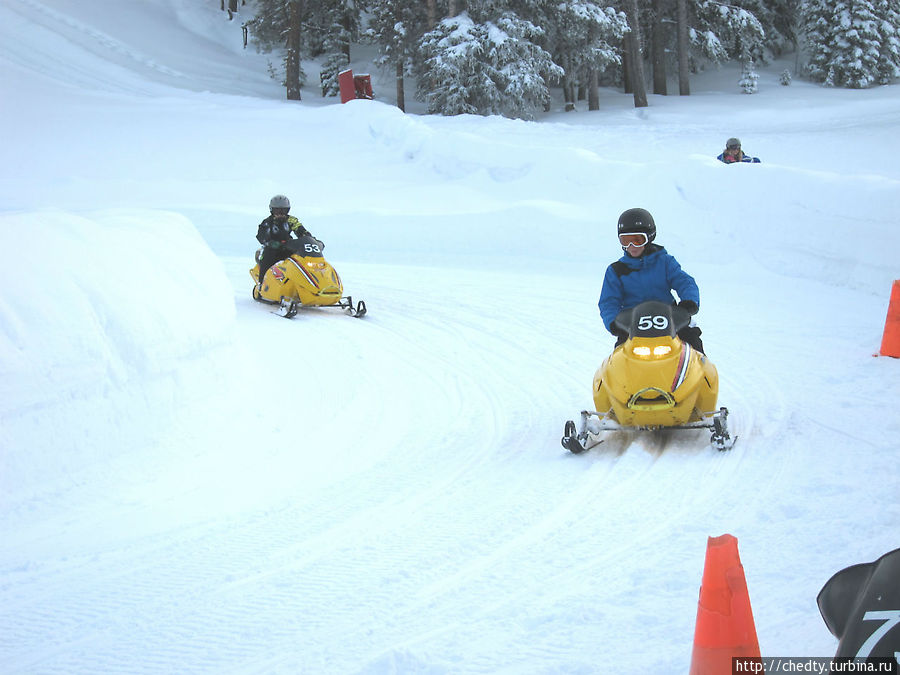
[(725, 627), (890, 342)]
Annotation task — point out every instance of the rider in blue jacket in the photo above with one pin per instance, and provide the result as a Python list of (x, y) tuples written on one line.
[(732, 154), (646, 272)]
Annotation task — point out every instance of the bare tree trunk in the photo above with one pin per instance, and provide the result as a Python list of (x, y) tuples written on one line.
[(401, 97), (568, 86), (292, 62), (345, 47), (626, 67), (431, 13), (636, 62), (455, 7), (658, 49), (684, 84), (593, 90)]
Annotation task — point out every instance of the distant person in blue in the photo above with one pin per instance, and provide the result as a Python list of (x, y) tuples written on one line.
[(733, 153), (646, 272)]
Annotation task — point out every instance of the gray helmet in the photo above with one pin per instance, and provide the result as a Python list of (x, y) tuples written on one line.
[(279, 202), (634, 221), (732, 143)]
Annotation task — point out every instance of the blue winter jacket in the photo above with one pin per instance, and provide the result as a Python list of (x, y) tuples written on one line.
[(631, 281)]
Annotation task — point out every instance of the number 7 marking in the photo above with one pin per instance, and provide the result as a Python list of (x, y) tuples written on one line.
[(891, 618)]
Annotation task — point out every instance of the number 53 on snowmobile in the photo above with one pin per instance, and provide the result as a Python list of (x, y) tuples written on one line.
[(652, 381), (303, 278)]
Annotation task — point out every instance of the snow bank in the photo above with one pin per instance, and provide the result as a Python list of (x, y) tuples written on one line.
[(518, 187), (100, 313)]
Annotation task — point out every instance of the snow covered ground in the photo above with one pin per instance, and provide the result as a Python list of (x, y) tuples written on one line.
[(189, 483)]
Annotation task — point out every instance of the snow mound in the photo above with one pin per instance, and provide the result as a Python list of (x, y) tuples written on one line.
[(141, 291), (99, 309)]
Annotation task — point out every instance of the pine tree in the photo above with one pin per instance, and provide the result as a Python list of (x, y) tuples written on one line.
[(396, 27), (332, 25), (859, 48), (728, 32), (276, 28), (889, 28), (714, 31), (845, 43), (749, 81), (492, 67), (816, 17), (778, 20), (584, 39)]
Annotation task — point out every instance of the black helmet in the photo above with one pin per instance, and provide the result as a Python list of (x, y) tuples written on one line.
[(637, 221)]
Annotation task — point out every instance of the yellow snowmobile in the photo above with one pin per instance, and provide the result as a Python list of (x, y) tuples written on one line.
[(652, 381), (302, 279)]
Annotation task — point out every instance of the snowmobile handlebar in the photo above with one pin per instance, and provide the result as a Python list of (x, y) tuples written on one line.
[(652, 319), (307, 246)]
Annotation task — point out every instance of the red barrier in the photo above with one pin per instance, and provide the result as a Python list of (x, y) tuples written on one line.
[(347, 87), (363, 86), (354, 86)]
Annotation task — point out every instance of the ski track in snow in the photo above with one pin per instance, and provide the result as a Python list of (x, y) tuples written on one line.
[(382, 520), (94, 41), (389, 494)]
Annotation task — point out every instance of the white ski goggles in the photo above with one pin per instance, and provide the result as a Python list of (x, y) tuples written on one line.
[(636, 239)]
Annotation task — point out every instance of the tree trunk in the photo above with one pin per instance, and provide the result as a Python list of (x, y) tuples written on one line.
[(401, 97), (431, 13), (345, 47), (636, 65), (568, 86), (292, 61), (593, 90), (626, 66), (684, 85), (658, 48)]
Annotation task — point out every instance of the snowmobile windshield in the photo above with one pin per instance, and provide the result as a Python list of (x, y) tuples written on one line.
[(308, 247), (653, 319)]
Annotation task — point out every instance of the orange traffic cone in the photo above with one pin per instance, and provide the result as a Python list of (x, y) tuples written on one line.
[(725, 626), (890, 342)]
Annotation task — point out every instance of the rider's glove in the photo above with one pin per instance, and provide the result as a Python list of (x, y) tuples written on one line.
[(689, 306)]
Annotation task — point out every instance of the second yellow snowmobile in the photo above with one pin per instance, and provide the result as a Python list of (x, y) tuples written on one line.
[(304, 278)]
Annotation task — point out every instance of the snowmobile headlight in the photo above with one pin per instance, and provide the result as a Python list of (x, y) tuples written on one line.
[(657, 352)]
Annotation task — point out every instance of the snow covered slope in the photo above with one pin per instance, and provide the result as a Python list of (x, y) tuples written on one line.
[(190, 483)]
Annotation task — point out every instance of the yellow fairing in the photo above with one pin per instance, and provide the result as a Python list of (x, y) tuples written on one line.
[(312, 281), (655, 383)]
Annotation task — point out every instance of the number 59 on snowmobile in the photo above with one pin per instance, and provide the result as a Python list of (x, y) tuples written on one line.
[(303, 278), (652, 381)]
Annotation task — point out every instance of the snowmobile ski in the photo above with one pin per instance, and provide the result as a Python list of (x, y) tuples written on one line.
[(347, 303), (577, 440), (288, 308)]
